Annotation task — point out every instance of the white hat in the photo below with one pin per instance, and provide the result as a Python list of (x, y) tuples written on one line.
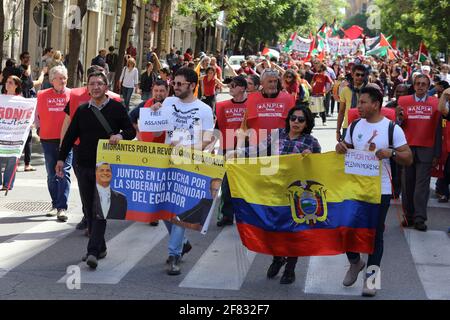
[(426, 68), (308, 64)]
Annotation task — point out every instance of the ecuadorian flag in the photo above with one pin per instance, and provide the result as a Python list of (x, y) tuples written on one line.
[(309, 207)]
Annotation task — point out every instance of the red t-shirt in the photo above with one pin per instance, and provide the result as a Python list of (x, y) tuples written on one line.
[(187, 57), (320, 80), (209, 87)]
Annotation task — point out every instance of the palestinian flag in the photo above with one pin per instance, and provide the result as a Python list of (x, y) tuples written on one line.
[(270, 52), (423, 53), (290, 42), (382, 49)]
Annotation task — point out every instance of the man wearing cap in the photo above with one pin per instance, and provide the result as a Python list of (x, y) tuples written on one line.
[(229, 115)]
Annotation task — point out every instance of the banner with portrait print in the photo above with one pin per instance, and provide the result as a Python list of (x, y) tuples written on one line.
[(163, 182)]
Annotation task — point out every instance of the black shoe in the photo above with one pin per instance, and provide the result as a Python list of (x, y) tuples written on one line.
[(275, 267), (154, 223), (225, 221), (186, 248), (174, 266), (288, 277), (101, 255), (92, 262), (82, 225), (421, 226), (443, 199)]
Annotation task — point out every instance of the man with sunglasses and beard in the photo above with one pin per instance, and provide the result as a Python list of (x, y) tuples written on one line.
[(349, 97), (191, 124)]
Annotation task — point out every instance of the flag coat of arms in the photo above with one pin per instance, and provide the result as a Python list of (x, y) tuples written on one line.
[(309, 207)]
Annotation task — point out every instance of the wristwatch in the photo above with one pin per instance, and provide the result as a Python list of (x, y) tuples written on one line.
[(393, 154)]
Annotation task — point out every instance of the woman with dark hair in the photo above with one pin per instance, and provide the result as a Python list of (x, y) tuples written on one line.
[(294, 138), (13, 87), (208, 83), (291, 83), (253, 83)]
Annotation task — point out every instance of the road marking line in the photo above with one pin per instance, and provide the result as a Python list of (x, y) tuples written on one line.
[(325, 276), (431, 255), (224, 265), (17, 250), (125, 250)]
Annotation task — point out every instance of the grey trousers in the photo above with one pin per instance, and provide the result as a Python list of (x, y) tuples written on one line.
[(416, 184)]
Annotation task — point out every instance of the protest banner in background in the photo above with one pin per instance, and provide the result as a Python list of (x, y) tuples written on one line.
[(162, 182), (16, 118), (309, 207), (301, 44)]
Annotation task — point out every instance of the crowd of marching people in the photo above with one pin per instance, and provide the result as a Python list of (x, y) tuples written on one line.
[(393, 107)]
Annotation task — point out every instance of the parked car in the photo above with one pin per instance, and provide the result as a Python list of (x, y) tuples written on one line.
[(235, 62)]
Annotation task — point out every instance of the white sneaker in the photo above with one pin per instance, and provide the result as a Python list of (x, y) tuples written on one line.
[(352, 274), (52, 212), (61, 215)]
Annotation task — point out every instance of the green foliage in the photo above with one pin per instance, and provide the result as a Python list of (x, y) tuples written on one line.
[(414, 20), (265, 20)]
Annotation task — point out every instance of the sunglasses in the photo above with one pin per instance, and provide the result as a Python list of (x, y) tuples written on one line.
[(300, 119), (359, 75)]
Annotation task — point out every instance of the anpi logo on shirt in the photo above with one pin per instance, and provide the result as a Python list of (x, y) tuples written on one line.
[(270, 107), (308, 202), (420, 111), (234, 112)]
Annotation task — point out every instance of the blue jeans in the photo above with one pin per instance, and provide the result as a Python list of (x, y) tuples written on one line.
[(176, 238), (127, 93), (375, 257), (58, 188), (10, 163)]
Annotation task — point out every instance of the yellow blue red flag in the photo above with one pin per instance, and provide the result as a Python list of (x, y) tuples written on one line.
[(309, 207)]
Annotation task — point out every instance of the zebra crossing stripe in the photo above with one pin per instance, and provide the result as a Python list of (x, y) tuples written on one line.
[(224, 265), (325, 275), (431, 254), (125, 250), (17, 250)]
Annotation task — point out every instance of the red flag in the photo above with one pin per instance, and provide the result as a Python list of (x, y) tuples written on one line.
[(394, 43), (353, 32), (321, 56)]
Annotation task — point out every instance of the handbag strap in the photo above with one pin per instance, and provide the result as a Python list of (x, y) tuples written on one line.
[(102, 120)]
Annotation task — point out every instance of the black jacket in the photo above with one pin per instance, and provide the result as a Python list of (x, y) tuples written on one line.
[(147, 81), (86, 126)]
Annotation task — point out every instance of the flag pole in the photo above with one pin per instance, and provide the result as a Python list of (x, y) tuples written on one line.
[(12, 176)]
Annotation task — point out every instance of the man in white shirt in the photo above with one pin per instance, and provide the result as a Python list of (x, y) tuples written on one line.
[(371, 133), (191, 123)]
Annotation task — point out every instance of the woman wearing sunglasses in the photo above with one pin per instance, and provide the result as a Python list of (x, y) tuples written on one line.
[(294, 138), (291, 83)]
